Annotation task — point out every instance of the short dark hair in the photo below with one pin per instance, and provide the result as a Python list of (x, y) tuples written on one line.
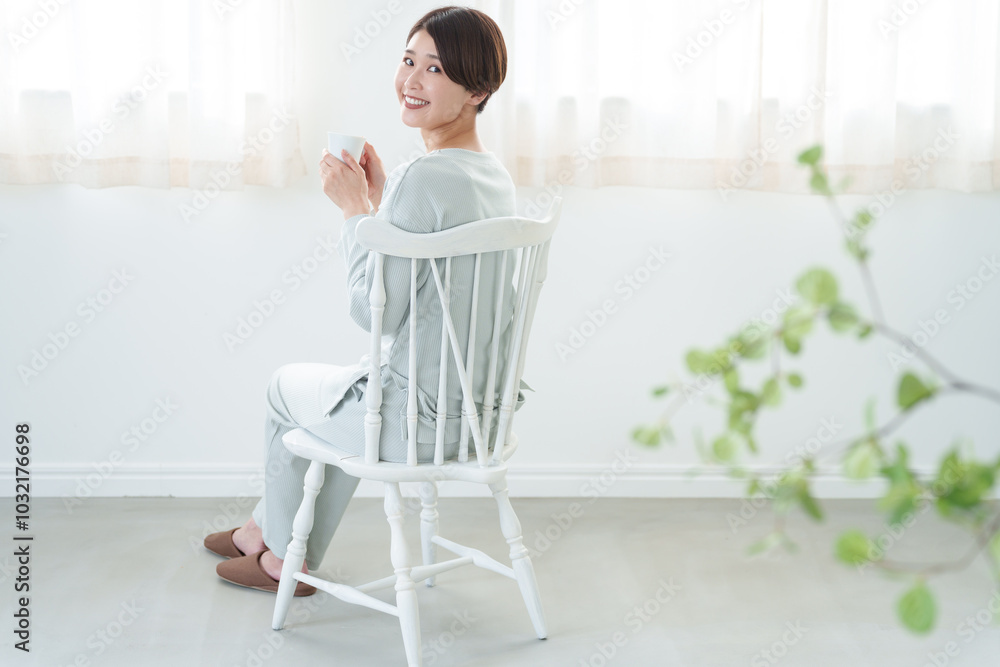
[(470, 46)]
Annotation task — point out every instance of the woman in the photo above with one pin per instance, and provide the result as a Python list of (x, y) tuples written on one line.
[(455, 59)]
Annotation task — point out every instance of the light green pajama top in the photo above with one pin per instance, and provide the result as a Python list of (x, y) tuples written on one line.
[(436, 191)]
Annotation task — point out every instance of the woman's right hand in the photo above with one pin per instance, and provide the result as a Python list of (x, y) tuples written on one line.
[(374, 174)]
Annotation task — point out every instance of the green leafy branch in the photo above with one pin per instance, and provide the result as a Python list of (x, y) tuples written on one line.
[(961, 487)]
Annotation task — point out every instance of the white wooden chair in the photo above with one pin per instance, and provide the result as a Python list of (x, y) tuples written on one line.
[(529, 240)]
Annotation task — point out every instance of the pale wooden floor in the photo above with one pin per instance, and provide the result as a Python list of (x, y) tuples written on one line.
[(126, 582)]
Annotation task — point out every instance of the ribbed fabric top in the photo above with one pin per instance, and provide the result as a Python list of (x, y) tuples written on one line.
[(442, 189)]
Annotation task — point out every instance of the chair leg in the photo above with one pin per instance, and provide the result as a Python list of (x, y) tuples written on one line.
[(519, 558), (428, 524), (406, 594), (296, 552)]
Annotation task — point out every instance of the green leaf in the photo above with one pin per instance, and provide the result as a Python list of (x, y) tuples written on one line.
[(995, 548), (794, 380), (870, 415), (857, 250), (751, 344), (809, 504), (899, 470), (741, 423), (917, 609), (811, 155), (904, 491), (647, 435), (842, 316), (818, 286), (855, 232), (864, 330), (863, 219), (796, 323), (789, 545), (699, 361), (770, 394), (765, 544), (787, 490), (732, 379), (661, 390), (948, 473), (724, 448), (798, 320), (912, 390), (962, 484), (854, 548), (741, 409), (792, 344), (900, 500), (819, 183), (738, 472), (861, 461)]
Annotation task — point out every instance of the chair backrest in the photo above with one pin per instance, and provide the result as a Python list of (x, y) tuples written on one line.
[(528, 240)]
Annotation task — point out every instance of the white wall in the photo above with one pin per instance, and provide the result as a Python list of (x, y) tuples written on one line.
[(161, 337)]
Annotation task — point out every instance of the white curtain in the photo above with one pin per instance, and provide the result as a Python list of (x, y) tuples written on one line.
[(903, 94), (156, 93)]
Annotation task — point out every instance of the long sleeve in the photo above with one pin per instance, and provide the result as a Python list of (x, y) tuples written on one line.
[(407, 212)]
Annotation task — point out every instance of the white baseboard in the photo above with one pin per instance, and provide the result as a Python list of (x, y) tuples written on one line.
[(525, 481)]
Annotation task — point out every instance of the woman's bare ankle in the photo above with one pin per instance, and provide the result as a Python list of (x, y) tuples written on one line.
[(272, 565), (249, 538)]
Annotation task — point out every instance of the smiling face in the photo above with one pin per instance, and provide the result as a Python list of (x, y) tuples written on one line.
[(427, 97)]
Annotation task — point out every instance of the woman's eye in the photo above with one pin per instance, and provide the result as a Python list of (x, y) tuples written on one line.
[(409, 63)]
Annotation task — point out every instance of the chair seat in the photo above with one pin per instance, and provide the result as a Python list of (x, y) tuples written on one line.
[(303, 443)]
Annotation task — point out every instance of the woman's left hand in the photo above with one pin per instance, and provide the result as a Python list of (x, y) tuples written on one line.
[(344, 183)]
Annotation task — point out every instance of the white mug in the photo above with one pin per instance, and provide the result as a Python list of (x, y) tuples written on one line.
[(337, 142)]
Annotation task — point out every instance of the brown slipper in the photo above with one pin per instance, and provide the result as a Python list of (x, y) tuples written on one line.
[(247, 571), (222, 544)]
